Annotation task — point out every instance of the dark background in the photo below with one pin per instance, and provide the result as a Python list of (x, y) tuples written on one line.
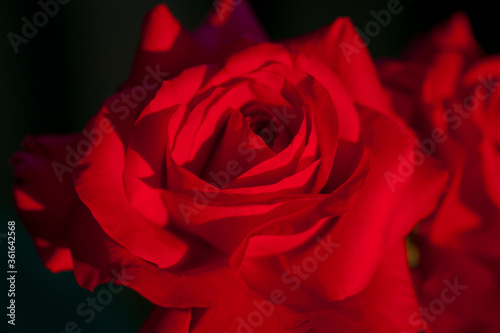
[(60, 78)]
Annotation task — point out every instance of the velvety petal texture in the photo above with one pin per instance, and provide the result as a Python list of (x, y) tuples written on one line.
[(241, 184)]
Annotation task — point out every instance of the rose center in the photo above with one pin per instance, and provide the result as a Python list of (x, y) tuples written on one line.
[(268, 126)]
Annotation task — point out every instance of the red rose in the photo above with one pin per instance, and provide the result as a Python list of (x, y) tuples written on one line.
[(447, 86), (250, 189)]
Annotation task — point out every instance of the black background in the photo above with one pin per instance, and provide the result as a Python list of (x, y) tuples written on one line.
[(60, 78)]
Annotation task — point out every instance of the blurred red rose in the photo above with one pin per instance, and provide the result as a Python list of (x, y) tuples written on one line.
[(446, 85)]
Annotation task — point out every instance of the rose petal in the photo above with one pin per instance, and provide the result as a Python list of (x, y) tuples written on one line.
[(44, 194)]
